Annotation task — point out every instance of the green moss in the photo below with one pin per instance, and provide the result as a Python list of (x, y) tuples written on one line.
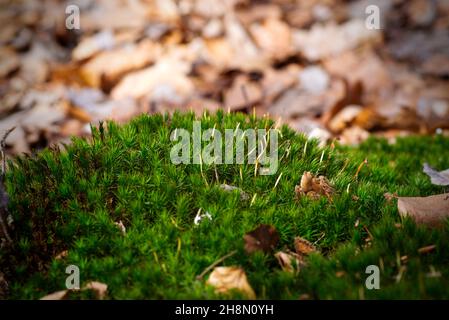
[(69, 200)]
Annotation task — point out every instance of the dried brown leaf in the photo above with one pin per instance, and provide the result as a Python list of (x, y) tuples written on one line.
[(303, 246), (99, 288), (58, 295), (263, 238), (313, 187), (62, 255), (225, 279), (431, 211), (289, 261)]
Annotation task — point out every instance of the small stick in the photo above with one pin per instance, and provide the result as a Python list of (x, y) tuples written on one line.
[(213, 265)]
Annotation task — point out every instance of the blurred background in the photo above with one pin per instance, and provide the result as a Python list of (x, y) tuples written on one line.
[(315, 65)]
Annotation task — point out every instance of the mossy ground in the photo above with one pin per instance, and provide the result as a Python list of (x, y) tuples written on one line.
[(69, 200)]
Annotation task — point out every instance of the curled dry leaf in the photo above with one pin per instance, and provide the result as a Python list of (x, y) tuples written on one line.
[(264, 238), (99, 288), (58, 295), (229, 278), (62, 255), (289, 261), (303, 247), (313, 187), (438, 178), (121, 226), (431, 211)]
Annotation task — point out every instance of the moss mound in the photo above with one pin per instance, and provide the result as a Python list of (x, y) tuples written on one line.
[(70, 200)]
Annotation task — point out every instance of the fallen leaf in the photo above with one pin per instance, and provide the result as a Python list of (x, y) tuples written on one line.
[(264, 238), (313, 187), (94, 105), (344, 118), (323, 41), (106, 68), (213, 29), (438, 178), (89, 46), (62, 255), (243, 47), (115, 15), (273, 37), (225, 279), (431, 211), (275, 82), (9, 61), (242, 94), (314, 79), (303, 247), (58, 295), (165, 81), (289, 261), (99, 288), (353, 136)]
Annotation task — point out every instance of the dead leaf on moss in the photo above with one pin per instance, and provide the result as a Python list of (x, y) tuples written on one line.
[(289, 261), (58, 295), (62, 255), (313, 187), (225, 279), (439, 178), (99, 288), (303, 246), (431, 211), (264, 238)]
